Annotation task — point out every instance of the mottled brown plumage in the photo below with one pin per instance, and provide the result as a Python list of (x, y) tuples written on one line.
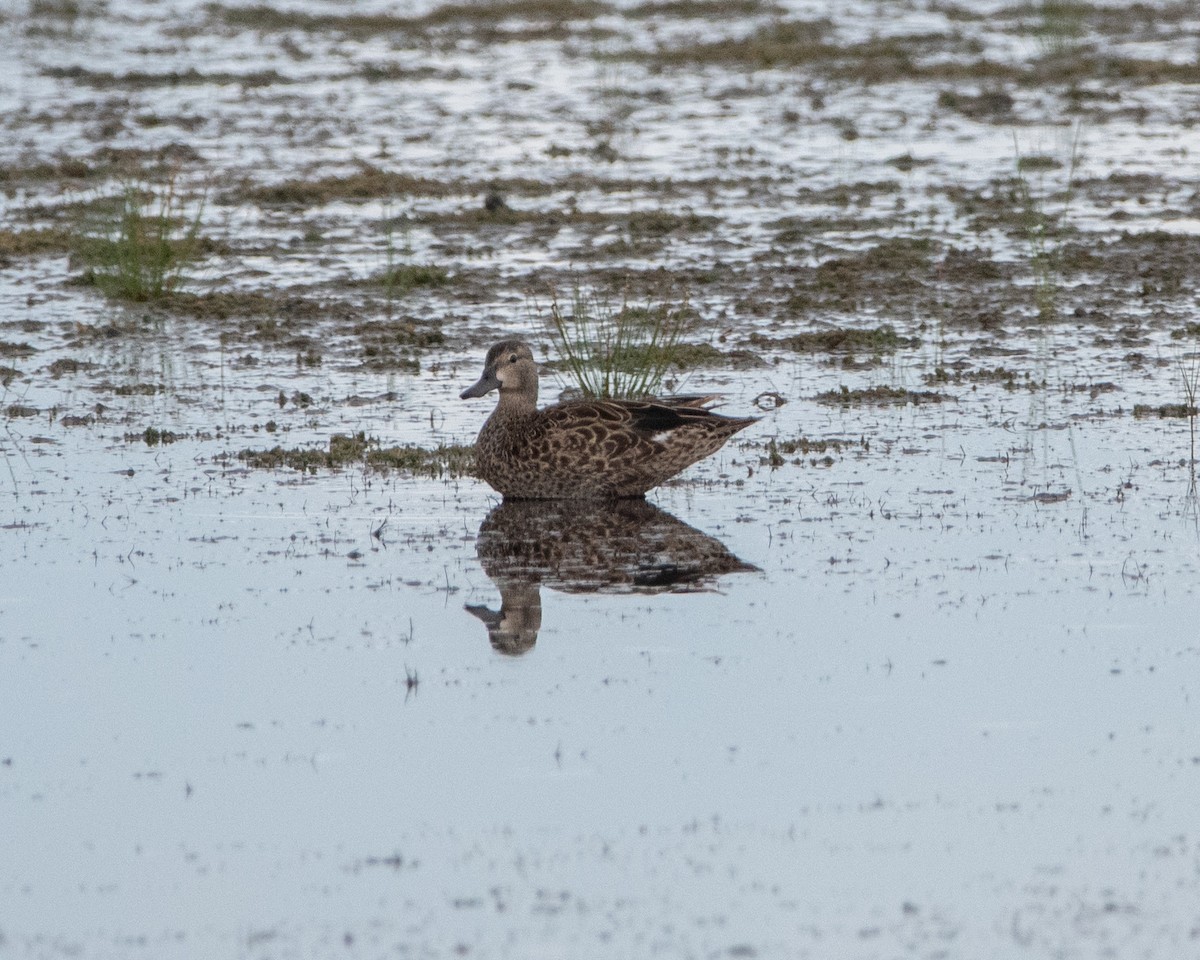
[(585, 449)]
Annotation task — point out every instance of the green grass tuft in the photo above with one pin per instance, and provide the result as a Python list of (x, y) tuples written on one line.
[(138, 245), (617, 351), (408, 276)]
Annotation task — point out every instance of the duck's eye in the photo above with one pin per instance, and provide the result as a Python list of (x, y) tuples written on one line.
[(513, 358)]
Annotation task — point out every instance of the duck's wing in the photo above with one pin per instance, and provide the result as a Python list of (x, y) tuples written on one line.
[(615, 427), (630, 422), (704, 400), (624, 447)]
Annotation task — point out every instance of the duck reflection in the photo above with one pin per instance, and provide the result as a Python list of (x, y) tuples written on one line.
[(578, 546)]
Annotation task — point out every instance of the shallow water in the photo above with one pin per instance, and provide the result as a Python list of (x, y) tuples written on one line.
[(923, 691)]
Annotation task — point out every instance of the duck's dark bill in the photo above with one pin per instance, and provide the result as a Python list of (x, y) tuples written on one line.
[(484, 384)]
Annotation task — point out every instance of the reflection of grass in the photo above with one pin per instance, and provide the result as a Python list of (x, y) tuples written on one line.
[(137, 245), (1189, 375), (12, 408), (617, 351)]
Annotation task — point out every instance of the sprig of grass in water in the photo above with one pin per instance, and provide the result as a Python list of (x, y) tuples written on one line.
[(393, 276), (1060, 27), (623, 351), (1041, 227), (138, 246)]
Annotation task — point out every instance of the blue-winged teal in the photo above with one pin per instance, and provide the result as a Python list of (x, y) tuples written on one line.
[(585, 449)]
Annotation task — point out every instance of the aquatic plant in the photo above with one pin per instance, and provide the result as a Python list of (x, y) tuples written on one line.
[(620, 350), (402, 277), (137, 245), (399, 274), (1060, 28), (1041, 227)]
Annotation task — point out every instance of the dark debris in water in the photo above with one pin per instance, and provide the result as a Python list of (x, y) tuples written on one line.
[(246, 304), (153, 437), (64, 366)]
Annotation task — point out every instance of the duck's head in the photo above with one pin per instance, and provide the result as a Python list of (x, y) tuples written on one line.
[(509, 368)]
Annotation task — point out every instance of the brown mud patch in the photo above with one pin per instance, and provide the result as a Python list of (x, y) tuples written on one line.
[(138, 79), (541, 18), (1063, 57), (880, 340), (359, 450), (31, 243)]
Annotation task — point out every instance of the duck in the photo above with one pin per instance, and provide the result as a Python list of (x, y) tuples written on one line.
[(585, 449)]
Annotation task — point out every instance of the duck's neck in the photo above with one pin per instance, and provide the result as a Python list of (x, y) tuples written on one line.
[(516, 403)]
